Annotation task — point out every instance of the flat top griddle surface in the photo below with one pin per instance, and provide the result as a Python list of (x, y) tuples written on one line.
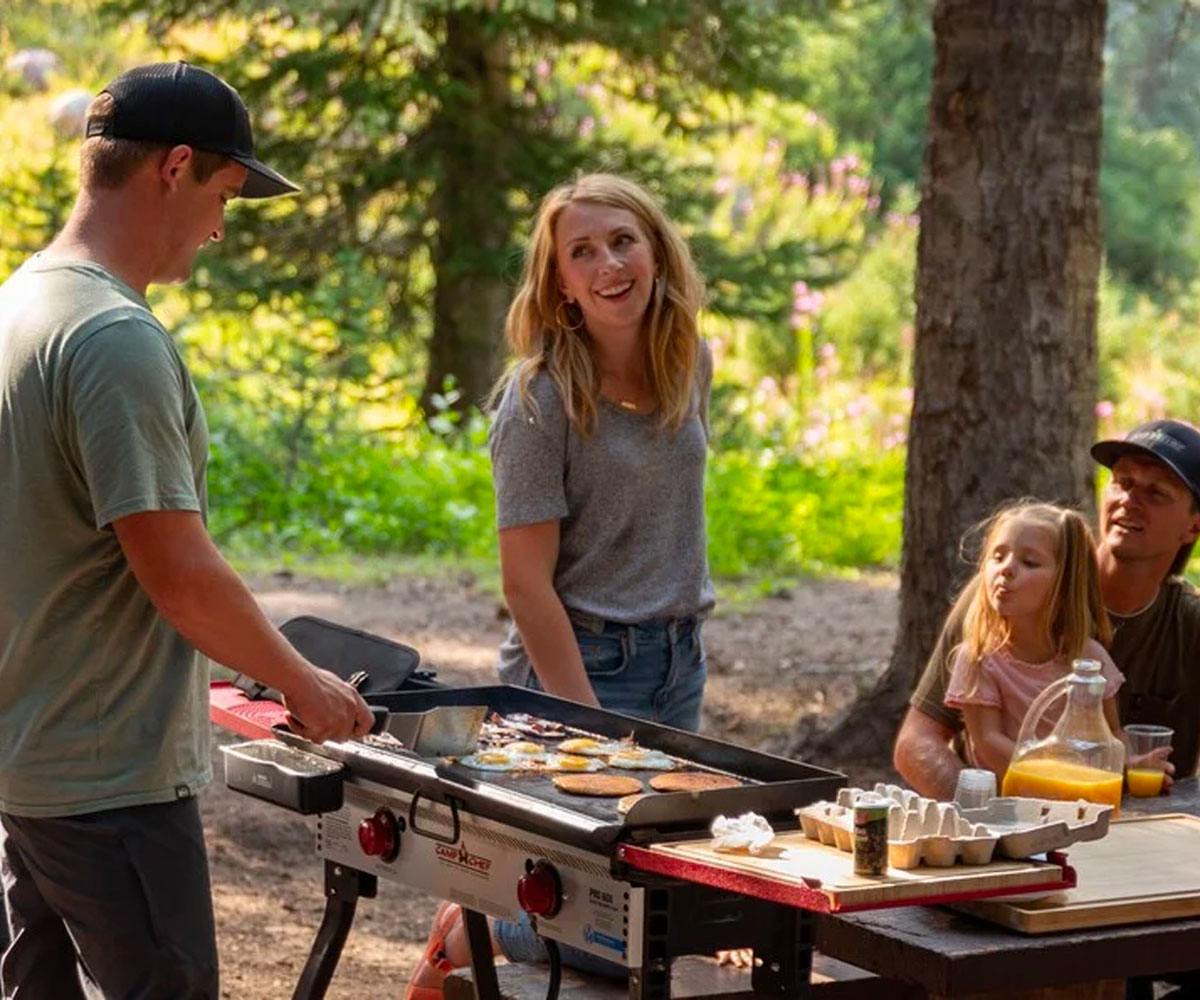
[(772, 786)]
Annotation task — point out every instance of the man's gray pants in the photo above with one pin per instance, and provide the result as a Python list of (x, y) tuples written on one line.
[(113, 905)]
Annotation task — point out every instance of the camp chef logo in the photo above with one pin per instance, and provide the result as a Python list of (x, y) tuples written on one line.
[(460, 857)]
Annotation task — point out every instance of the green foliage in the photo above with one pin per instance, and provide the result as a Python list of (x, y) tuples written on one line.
[(424, 131), (868, 68), (786, 139), (870, 316), (773, 512), (1151, 189), (398, 494)]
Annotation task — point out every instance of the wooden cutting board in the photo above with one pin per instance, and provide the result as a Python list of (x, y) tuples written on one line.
[(1147, 868), (808, 866)]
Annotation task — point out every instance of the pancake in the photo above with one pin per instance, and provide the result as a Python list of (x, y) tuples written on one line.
[(608, 786), (691, 781)]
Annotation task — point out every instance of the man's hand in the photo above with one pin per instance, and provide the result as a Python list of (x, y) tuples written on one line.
[(321, 706)]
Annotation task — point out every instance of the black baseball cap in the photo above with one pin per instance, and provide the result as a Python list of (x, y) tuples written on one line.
[(180, 104), (1172, 442)]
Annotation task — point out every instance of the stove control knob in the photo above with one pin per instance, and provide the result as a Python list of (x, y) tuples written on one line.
[(379, 835), (539, 890)]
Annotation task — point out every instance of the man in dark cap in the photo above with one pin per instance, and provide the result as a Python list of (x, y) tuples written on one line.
[(109, 583), (1149, 522)]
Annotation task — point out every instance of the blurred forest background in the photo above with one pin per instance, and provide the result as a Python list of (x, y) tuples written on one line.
[(342, 338)]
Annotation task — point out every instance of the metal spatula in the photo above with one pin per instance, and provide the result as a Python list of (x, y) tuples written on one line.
[(445, 731)]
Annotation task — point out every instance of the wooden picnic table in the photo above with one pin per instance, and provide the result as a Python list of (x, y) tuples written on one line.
[(952, 955)]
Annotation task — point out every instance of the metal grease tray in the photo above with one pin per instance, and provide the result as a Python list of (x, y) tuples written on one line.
[(286, 776)]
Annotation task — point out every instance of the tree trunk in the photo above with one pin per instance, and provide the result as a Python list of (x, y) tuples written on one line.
[(1008, 263), (470, 207)]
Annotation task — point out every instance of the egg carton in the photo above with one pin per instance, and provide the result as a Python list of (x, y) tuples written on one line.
[(920, 830), (1032, 826)]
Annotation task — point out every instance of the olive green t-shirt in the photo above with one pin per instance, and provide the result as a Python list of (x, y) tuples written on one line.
[(102, 703), (1158, 651)]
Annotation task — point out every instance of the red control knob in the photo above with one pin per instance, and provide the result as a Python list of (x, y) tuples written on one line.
[(378, 835), (539, 891)]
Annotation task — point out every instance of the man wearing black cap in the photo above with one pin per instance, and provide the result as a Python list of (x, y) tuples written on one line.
[(109, 582), (1149, 522)]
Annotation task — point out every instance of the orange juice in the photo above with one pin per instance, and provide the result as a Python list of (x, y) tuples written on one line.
[(1144, 782), (1053, 779)]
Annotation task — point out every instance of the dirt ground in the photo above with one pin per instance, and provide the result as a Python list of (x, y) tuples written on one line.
[(801, 652)]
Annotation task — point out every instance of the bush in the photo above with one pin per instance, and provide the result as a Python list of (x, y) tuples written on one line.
[(771, 512)]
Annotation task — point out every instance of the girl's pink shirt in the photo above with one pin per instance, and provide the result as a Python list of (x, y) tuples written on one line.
[(1009, 684)]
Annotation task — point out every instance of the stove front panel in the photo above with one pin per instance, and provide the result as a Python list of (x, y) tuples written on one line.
[(481, 867)]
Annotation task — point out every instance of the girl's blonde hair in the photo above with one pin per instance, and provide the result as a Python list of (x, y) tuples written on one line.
[(1076, 610), (544, 332)]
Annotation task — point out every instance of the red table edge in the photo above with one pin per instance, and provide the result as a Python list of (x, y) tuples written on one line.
[(229, 708), (812, 896)]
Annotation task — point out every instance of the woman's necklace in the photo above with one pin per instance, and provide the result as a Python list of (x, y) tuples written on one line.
[(627, 404)]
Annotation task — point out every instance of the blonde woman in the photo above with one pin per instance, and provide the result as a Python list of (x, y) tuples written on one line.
[(598, 445), (598, 456)]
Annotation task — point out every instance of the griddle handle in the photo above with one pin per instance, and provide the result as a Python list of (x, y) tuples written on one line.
[(379, 716), (432, 835)]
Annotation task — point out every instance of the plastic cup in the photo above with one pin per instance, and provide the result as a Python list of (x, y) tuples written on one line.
[(1149, 748), (976, 788)]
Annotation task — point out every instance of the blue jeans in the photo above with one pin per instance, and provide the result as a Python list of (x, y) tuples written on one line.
[(652, 670)]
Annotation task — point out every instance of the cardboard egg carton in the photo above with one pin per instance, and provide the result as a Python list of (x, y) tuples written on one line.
[(920, 830), (1032, 826)]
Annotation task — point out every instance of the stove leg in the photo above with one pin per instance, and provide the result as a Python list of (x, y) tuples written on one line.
[(786, 968), (483, 965), (653, 980), (343, 887)]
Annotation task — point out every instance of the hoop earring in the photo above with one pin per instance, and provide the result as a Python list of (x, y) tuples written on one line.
[(563, 322)]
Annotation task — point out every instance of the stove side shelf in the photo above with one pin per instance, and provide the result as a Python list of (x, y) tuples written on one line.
[(785, 879)]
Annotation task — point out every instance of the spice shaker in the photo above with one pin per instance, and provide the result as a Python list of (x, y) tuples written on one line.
[(870, 834)]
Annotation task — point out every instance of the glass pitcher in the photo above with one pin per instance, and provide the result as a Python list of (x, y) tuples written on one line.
[(1080, 758)]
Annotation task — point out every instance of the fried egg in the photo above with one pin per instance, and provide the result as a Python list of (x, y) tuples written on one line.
[(571, 762), (523, 748), (589, 747), (494, 760), (639, 758)]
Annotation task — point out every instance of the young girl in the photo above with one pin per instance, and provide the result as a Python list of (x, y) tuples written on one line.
[(599, 445), (1033, 607)]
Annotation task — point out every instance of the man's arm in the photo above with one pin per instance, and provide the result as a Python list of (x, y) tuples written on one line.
[(924, 757), (198, 592)]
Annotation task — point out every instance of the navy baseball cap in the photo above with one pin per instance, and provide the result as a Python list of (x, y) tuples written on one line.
[(179, 104), (1172, 442)]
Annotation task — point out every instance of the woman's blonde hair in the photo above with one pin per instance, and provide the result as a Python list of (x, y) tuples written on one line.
[(1075, 612), (545, 333)]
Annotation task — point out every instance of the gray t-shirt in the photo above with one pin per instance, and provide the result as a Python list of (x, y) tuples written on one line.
[(102, 703), (629, 499)]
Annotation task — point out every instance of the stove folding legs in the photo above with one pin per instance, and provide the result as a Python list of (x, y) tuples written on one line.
[(343, 888), (682, 918)]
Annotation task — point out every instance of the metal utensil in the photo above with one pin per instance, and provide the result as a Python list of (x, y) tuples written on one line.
[(445, 731)]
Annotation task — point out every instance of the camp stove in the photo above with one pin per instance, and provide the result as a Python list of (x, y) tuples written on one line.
[(504, 843)]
